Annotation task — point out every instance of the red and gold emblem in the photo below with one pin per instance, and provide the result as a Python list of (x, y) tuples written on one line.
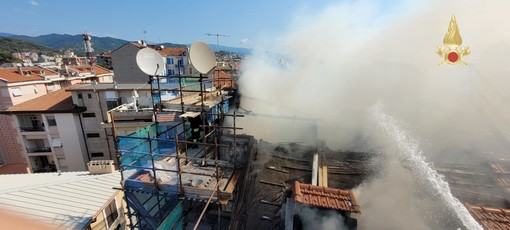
[(453, 51)]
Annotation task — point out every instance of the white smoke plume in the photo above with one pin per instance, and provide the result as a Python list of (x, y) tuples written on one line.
[(335, 65)]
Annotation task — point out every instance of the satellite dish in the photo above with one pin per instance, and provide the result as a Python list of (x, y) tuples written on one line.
[(202, 57), (149, 61)]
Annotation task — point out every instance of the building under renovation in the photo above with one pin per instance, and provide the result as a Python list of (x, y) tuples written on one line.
[(192, 169)]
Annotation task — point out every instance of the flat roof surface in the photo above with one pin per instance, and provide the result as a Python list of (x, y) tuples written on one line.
[(69, 200)]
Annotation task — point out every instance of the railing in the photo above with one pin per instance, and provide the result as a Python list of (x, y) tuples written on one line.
[(32, 128), (127, 112), (38, 149)]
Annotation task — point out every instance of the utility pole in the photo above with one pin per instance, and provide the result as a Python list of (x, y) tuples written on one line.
[(217, 38)]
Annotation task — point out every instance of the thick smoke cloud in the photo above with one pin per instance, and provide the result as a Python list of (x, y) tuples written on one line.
[(334, 66)]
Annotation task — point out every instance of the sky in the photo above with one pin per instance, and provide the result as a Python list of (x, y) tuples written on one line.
[(163, 21)]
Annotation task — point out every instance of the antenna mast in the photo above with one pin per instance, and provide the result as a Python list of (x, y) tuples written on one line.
[(218, 38), (89, 52)]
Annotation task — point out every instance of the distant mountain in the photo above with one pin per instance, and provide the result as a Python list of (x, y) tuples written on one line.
[(10, 45), (237, 50), (5, 34), (64, 42), (168, 44)]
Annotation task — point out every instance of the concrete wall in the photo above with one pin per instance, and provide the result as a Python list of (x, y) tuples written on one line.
[(100, 219), (28, 92), (125, 67), (93, 124), (72, 141)]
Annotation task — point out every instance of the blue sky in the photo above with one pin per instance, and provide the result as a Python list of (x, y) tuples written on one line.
[(164, 21)]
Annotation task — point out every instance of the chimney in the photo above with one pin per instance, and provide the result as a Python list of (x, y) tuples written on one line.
[(101, 166), (20, 71)]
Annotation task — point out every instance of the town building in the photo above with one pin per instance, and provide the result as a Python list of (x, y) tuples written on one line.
[(21, 84), (50, 132), (105, 59), (127, 71), (130, 105)]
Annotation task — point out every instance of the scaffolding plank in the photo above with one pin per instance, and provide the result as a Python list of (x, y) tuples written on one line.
[(232, 182)]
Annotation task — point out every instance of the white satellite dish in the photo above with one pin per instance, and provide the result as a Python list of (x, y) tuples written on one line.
[(150, 61), (202, 57)]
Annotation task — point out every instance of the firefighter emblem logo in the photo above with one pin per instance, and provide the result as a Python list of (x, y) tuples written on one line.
[(452, 52)]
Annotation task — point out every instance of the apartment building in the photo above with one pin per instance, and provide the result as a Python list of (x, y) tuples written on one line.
[(18, 85), (50, 133), (129, 104), (21, 84), (176, 61)]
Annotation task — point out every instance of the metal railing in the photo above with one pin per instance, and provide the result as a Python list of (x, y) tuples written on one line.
[(32, 128), (39, 149)]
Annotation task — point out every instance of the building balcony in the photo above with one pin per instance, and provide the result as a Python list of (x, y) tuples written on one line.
[(39, 149), (127, 112), (32, 129)]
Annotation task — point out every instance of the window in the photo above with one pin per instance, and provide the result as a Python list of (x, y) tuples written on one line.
[(79, 96), (56, 143), (111, 104), (111, 95), (51, 121), (51, 86), (170, 61), (89, 95), (16, 92), (96, 154), (111, 213), (90, 135), (89, 115)]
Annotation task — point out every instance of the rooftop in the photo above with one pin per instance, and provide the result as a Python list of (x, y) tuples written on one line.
[(69, 200), (34, 73), (490, 218), (87, 69), (324, 197), (173, 51), (58, 101)]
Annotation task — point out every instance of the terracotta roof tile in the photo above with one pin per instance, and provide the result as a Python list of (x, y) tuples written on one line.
[(173, 51), (222, 79), (54, 102), (36, 74), (87, 69), (138, 45), (490, 218), (324, 197), (168, 116)]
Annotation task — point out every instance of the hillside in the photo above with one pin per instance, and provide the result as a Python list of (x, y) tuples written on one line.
[(64, 42), (73, 42), (10, 45)]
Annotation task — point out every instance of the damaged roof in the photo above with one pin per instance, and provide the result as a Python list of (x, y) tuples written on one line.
[(490, 218), (323, 197)]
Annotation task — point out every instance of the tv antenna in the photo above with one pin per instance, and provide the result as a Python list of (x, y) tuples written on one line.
[(217, 38)]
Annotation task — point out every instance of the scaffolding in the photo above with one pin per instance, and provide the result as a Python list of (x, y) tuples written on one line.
[(168, 166)]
